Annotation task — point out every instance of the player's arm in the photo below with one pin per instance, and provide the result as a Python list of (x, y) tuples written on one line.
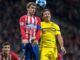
[(23, 29), (38, 30), (60, 39)]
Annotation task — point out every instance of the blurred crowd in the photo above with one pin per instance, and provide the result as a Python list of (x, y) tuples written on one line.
[(65, 10), (69, 10)]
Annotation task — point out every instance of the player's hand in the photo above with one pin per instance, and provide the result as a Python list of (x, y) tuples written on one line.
[(24, 41), (34, 42), (63, 50)]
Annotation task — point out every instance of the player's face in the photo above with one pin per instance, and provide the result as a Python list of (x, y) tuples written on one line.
[(6, 48), (47, 15), (31, 10)]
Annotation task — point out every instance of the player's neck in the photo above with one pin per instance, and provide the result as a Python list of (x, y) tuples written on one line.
[(5, 54), (47, 21), (30, 14)]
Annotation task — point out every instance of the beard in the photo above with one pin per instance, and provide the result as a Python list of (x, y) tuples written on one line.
[(32, 13), (5, 55), (47, 18)]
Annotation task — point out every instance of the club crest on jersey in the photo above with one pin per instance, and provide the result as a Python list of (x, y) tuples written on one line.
[(31, 25), (21, 23)]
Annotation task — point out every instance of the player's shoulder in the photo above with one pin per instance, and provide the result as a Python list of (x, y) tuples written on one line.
[(12, 53), (22, 17), (38, 18), (55, 25)]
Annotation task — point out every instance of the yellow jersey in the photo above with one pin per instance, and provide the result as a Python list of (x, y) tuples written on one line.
[(49, 31)]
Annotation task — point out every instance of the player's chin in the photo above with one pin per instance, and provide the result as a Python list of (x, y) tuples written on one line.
[(33, 13)]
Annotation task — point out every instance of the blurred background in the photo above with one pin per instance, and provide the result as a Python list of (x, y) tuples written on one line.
[(66, 13)]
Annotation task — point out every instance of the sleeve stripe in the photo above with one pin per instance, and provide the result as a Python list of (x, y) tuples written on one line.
[(38, 27)]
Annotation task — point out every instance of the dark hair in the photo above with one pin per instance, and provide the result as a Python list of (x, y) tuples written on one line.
[(6, 43), (31, 3), (45, 11)]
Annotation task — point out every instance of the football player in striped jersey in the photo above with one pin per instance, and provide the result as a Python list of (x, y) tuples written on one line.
[(6, 53), (30, 32)]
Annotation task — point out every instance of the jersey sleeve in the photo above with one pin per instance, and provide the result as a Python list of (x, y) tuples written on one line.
[(22, 27), (38, 29), (57, 29)]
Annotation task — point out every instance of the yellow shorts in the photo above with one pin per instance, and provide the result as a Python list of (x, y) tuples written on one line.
[(48, 54)]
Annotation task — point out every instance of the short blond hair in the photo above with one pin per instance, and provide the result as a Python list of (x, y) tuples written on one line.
[(31, 3)]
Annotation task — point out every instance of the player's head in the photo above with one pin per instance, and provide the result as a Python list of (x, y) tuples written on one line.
[(31, 8), (6, 47), (46, 14)]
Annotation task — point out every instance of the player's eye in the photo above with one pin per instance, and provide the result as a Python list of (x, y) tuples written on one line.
[(45, 14), (6, 47)]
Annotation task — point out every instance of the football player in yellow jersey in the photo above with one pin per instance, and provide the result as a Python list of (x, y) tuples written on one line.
[(50, 33)]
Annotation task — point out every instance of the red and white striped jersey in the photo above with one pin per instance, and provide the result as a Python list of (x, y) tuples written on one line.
[(30, 27), (11, 56)]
